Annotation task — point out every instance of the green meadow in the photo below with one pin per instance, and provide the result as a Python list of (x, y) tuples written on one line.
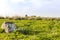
[(32, 30)]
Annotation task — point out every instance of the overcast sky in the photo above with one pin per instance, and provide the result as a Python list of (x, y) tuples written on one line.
[(30, 7)]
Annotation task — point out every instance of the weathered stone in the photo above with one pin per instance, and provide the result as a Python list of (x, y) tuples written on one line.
[(8, 26)]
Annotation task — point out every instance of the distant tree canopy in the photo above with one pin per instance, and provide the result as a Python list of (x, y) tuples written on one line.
[(29, 18), (1, 17)]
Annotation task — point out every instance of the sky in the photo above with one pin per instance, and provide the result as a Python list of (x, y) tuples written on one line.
[(45, 8)]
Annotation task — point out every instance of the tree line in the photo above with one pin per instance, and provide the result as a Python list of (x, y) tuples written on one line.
[(26, 17)]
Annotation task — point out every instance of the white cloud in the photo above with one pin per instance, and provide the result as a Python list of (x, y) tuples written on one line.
[(36, 3), (33, 2), (5, 9), (17, 1), (34, 7)]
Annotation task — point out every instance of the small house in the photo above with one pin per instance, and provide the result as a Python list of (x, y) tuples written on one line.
[(8, 26)]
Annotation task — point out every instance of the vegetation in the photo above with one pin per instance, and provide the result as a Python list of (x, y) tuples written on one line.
[(41, 29)]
